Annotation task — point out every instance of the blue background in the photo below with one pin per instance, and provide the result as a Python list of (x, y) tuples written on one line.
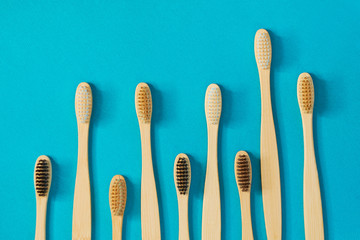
[(179, 47)]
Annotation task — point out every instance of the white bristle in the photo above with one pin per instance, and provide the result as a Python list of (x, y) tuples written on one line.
[(213, 104), (83, 103), (263, 49)]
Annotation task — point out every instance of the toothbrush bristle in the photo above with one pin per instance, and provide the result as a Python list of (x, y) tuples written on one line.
[(42, 176), (83, 102), (243, 171), (143, 102), (305, 89), (182, 174), (213, 104), (118, 195), (263, 49)]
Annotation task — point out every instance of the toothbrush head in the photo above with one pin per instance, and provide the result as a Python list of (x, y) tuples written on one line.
[(182, 174), (117, 195), (83, 103), (213, 104), (42, 176), (143, 103), (305, 93), (243, 171), (263, 51)]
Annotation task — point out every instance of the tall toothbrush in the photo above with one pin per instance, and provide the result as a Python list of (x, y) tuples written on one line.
[(313, 216), (81, 228), (270, 173), (211, 215), (42, 182), (150, 220)]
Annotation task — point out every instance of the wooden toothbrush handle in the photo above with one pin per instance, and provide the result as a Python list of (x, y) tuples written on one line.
[(313, 215), (117, 222), (183, 218), (150, 220), (41, 206), (270, 173), (82, 196), (247, 231), (211, 216)]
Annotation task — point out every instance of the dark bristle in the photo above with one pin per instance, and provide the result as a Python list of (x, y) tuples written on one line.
[(42, 177), (182, 175), (243, 173)]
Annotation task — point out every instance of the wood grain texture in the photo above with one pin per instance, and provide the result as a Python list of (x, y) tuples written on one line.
[(117, 222), (211, 216), (247, 231), (270, 173), (41, 206), (183, 217), (150, 219), (313, 215), (81, 226)]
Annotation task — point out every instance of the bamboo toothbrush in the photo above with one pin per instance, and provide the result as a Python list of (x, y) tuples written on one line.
[(313, 216), (42, 182), (243, 177), (117, 199), (270, 173), (81, 228), (211, 216), (150, 221), (182, 178)]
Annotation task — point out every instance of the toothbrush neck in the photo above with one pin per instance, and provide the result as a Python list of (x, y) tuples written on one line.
[(213, 142), (145, 132), (83, 138), (308, 132)]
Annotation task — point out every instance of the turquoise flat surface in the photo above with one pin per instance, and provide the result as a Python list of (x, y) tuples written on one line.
[(178, 47)]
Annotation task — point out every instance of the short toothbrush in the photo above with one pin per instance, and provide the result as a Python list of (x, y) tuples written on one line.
[(42, 182), (211, 215), (270, 173), (313, 216), (182, 178), (150, 220), (243, 177), (117, 201), (81, 228)]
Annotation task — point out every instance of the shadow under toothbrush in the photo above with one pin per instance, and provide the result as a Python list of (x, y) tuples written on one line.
[(224, 120), (227, 112), (157, 103), (100, 111), (276, 62), (255, 190), (277, 58), (196, 190), (95, 106), (54, 187), (129, 205), (319, 107)]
